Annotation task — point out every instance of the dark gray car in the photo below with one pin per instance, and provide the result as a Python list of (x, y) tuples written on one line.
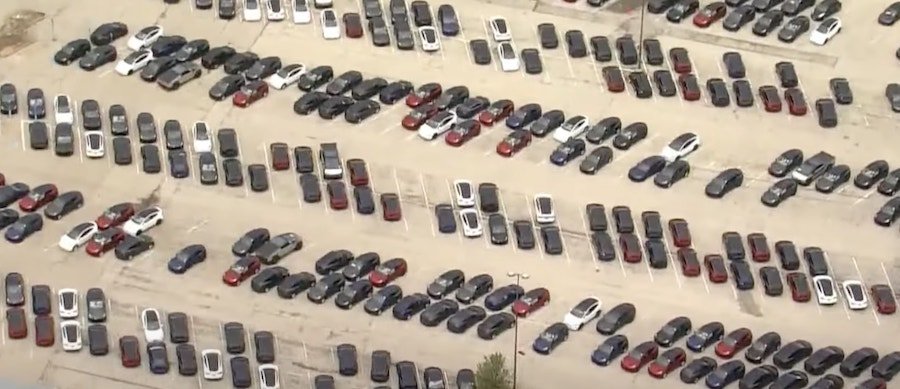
[(209, 171), (150, 159), (278, 247), (178, 164), (146, 127), (37, 105), (91, 117), (38, 138), (14, 284), (9, 99), (95, 303), (118, 120), (174, 135)]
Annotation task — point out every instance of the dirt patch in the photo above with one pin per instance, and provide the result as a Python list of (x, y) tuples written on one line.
[(14, 32)]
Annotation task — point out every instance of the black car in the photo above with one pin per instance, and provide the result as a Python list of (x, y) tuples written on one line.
[(241, 377), (548, 122), (98, 339), (118, 120), (793, 379), (765, 5), (179, 328), (600, 48), (734, 246), (239, 62), (771, 280), (739, 17), (312, 190), (106, 33), (133, 246), (888, 213), (361, 266), (672, 173), (825, 9), (309, 102), (887, 367), (603, 130), (551, 239), (368, 88), (474, 288), (596, 160), (192, 50), (521, 117), (705, 336), (797, 26), (795, 7), (437, 312), (792, 353), (325, 288), (448, 20), (167, 45), (734, 64), (659, 6), (673, 331), (365, 199), (294, 284), (380, 370), (548, 36), (97, 57), (315, 77), (891, 183), (263, 68), (394, 92), (304, 161), (9, 99), (446, 218), (524, 232), (840, 89), (186, 355), (91, 117), (410, 305), (37, 105), (503, 297), (641, 84), (335, 106), (446, 283), (834, 178), (452, 97), (472, 106), (718, 92), (250, 241), (616, 318), (550, 338), (611, 348), (665, 84), (14, 287), (726, 374), (466, 318), (333, 261), (653, 53), (8, 217), (217, 56), (344, 83), (823, 359), (759, 377), (646, 168), (158, 358), (227, 86), (697, 369), (725, 182), (72, 51), (384, 299), (575, 44), (38, 136), (890, 15), (13, 192), (156, 67), (826, 113), (354, 294), (682, 10), (178, 164), (495, 324), (268, 278), (630, 135), (627, 50), (786, 163), (361, 110), (779, 192), (24, 227), (481, 51), (63, 205), (743, 93), (41, 300), (567, 152), (858, 362)]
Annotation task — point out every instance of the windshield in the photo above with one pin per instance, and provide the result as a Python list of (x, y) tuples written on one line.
[(71, 332), (513, 140), (67, 299), (330, 20), (143, 34), (731, 341), (429, 36), (96, 304), (507, 52), (548, 336), (300, 5), (668, 330), (871, 173), (238, 268), (110, 215), (385, 270), (251, 4), (76, 232)]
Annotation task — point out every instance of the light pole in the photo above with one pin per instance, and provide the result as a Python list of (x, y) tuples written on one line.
[(640, 41), (519, 277)]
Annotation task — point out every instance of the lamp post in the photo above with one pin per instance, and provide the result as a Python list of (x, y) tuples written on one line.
[(640, 42), (519, 277)]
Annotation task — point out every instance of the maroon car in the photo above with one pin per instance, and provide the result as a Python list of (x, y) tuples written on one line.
[(690, 266), (769, 96), (462, 133), (759, 247), (631, 248), (115, 215), (38, 197), (496, 112), (424, 94), (796, 102), (715, 268), (418, 116), (681, 234), (690, 88), (44, 331), (390, 205)]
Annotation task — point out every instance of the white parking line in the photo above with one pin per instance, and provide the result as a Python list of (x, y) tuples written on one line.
[(506, 216), (241, 156), (459, 233), (533, 221), (427, 204), (400, 197), (487, 37), (22, 133), (587, 237), (871, 306), (271, 173), (646, 260), (675, 269), (733, 290)]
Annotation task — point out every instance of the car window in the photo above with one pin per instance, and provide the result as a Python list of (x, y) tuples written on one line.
[(507, 52)]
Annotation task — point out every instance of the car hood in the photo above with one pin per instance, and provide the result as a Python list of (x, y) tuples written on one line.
[(770, 198), (542, 344), (558, 156), (436, 290)]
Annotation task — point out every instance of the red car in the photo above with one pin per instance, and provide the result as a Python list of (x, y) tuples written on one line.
[(613, 77), (353, 25), (681, 234), (130, 349), (669, 361), (799, 287), (390, 206), (631, 248), (769, 96), (424, 94), (337, 194), (690, 88), (759, 247), (796, 102), (418, 116), (38, 197), (44, 331), (734, 342), (387, 272), (532, 301), (16, 324), (497, 111), (115, 215), (640, 356), (681, 61), (250, 93), (690, 266), (241, 270), (710, 14), (715, 268), (281, 156), (462, 133), (2, 179), (514, 142), (359, 172), (883, 297), (104, 241)]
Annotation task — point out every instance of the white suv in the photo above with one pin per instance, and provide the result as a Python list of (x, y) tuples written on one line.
[(439, 124), (465, 193), (573, 128), (825, 292), (471, 223), (213, 369), (855, 294), (543, 209), (68, 303), (70, 332), (151, 321)]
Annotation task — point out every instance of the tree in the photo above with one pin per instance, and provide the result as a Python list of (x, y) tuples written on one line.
[(492, 373)]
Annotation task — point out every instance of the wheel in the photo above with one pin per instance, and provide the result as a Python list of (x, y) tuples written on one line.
[(160, 221)]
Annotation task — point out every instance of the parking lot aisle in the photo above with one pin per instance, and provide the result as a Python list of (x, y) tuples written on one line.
[(569, 220), (243, 159)]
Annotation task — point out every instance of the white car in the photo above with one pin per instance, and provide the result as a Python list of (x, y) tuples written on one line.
[(582, 313), (151, 321), (143, 221), (68, 303), (471, 223), (825, 292), (274, 11), (70, 332), (134, 62), (202, 139), (509, 60), (300, 12), (855, 294), (465, 193), (825, 31), (681, 147), (268, 377), (437, 125), (429, 37), (145, 37), (78, 236), (543, 209), (252, 11), (94, 144), (63, 109), (287, 75), (330, 27), (213, 369), (575, 127), (500, 29)]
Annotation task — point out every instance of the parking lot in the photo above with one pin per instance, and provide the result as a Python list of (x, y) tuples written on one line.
[(422, 174)]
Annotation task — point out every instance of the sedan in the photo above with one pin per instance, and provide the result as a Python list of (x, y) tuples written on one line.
[(779, 192), (463, 132), (514, 142), (647, 168), (133, 246), (567, 152), (596, 160), (388, 272), (187, 258), (241, 270), (739, 17), (734, 342), (63, 205), (794, 28), (705, 336), (667, 362), (630, 135), (531, 301), (710, 14), (640, 356), (550, 338)]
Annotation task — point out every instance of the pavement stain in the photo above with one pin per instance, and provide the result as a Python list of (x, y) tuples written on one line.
[(14, 32)]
